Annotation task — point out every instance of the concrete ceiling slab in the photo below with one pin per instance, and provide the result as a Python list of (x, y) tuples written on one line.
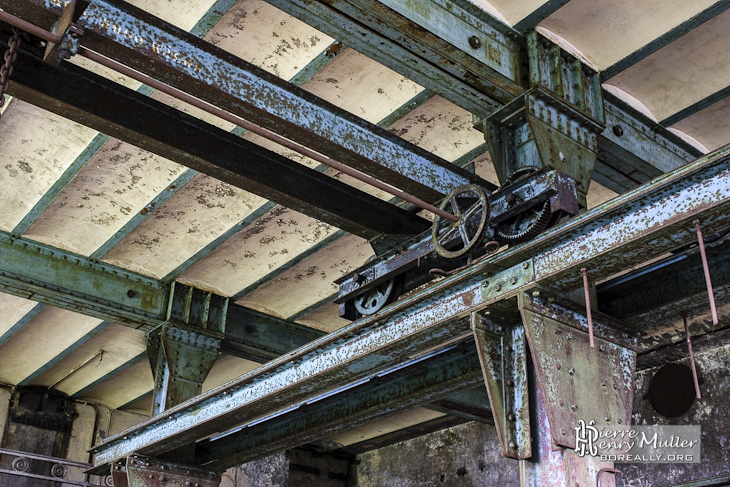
[(129, 384), (267, 37), (384, 426), (117, 183), (197, 214), (12, 309), (119, 343), (624, 26), (183, 13), (48, 334), (710, 126), (325, 318), (682, 73), (254, 252), (36, 147), (362, 86), (310, 281), (509, 11), (226, 369), (440, 127)]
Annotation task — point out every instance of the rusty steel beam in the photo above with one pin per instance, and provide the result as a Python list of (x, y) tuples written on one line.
[(158, 49), (151, 125), (627, 231)]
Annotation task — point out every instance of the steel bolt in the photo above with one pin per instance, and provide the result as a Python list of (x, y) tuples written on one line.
[(574, 407), (512, 280), (511, 416), (475, 42), (571, 371), (500, 329), (525, 265), (569, 336), (536, 294), (485, 283), (511, 382), (561, 402), (601, 348), (563, 431), (619, 421), (558, 366), (607, 417), (497, 287), (618, 130), (512, 444)]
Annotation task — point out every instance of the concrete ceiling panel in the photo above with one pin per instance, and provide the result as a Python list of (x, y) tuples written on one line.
[(226, 369), (119, 343), (182, 13), (509, 11), (36, 147), (131, 383), (606, 31), (710, 126), (682, 73), (362, 86), (254, 252), (197, 214), (267, 37), (117, 183), (310, 281), (12, 309), (325, 318), (440, 127), (48, 334), (384, 426)]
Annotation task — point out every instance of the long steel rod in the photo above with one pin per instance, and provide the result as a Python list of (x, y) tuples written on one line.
[(691, 358), (706, 267), (586, 289), (182, 96)]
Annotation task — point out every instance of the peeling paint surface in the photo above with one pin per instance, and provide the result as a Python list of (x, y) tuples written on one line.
[(311, 280), (197, 214), (254, 252), (117, 183), (36, 147)]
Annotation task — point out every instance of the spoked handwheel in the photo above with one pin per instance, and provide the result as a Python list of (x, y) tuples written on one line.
[(372, 300), (471, 206)]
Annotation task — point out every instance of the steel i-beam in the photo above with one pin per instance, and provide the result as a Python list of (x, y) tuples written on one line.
[(158, 49)]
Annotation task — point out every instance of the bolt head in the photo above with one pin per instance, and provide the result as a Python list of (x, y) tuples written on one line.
[(497, 287), (557, 366), (525, 265), (475, 42), (511, 416), (512, 280), (574, 407), (536, 294), (561, 402), (512, 444), (563, 431), (571, 371)]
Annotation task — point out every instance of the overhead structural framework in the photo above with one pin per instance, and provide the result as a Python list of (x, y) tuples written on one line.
[(627, 231)]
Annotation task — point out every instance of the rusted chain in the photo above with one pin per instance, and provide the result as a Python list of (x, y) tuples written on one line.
[(6, 71)]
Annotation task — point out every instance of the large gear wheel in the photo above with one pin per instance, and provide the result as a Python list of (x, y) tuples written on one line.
[(526, 225)]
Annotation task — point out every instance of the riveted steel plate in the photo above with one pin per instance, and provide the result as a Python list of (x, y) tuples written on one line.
[(503, 360), (578, 382), (508, 282)]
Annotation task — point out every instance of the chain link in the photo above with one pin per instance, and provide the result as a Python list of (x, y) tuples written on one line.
[(6, 70)]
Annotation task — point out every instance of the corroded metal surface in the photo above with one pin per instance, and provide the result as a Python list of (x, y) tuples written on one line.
[(156, 48), (150, 472), (577, 382), (404, 329), (503, 358)]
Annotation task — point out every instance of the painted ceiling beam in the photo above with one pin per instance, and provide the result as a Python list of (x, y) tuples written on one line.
[(77, 283), (629, 230), (665, 39), (158, 49), (151, 125)]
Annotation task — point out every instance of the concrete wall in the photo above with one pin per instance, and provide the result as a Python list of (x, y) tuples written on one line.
[(712, 413), (465, 455)]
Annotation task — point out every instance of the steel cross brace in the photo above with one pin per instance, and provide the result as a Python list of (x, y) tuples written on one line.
[(129, 35), (627, 231)]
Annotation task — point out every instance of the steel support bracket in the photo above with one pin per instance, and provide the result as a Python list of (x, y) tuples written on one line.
[(579, 383), (183, 350), (151, 472), (68, 31), (503, 358)]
